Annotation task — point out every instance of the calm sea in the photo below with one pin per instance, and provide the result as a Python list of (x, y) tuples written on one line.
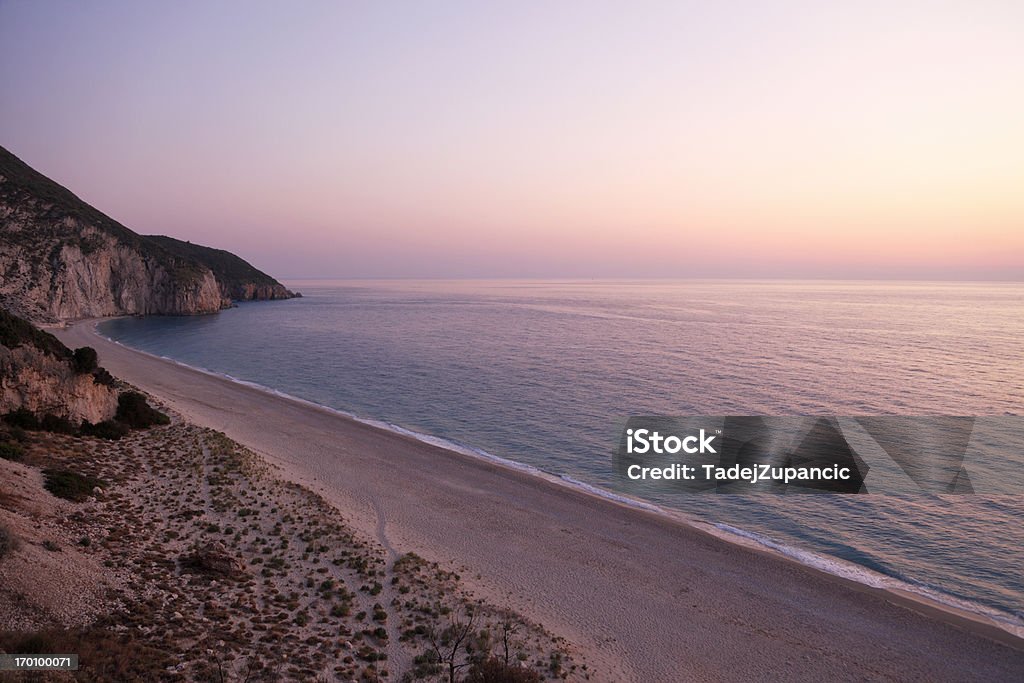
[(545, 373)]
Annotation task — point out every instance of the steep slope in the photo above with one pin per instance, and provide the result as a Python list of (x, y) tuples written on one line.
[(237, 278), (62, 259)]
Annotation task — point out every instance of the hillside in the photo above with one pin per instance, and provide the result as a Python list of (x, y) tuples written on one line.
[(62, 259), (238, 279)]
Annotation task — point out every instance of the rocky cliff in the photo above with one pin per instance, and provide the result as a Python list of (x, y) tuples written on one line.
[(45, 385), (237, 278), (40, 374), (62, 259)]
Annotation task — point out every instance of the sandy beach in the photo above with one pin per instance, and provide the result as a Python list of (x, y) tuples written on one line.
[(645, 598)]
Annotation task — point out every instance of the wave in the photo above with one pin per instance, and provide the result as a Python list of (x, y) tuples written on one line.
[(868, 577), (828, 564)]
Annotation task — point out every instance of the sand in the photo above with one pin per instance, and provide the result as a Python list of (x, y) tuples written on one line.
[(192, 559), (642, 596)]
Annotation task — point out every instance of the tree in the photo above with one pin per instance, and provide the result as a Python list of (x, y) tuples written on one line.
[(85, 359), (508, 629), (134, 411), (451, 641)]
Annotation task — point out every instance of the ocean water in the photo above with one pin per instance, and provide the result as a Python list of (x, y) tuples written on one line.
[(545, 373)]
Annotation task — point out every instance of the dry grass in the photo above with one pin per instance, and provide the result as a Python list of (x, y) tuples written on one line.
[(234, 574)]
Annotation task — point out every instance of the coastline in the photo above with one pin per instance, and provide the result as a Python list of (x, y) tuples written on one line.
[(702, 607)]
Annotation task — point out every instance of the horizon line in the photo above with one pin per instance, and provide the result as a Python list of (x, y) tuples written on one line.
[(641, 278)]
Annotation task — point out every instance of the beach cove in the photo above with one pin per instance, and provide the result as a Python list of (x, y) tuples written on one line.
[(723, 610)]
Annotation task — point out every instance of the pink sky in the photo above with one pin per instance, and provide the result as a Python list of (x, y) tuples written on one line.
[(567, 139)]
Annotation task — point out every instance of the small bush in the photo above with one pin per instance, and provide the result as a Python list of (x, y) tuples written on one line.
[(101, 376), (85, 359), (493, 670), (70, 485), (57, 424), (12, 451), (134, 411), (23, 418), (8, 542), (108, 429)]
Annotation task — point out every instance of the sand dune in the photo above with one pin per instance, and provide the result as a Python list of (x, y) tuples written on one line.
[(647, 598)]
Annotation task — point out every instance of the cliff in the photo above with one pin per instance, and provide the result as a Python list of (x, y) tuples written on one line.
[(62, 259), (38, 373), (237, 278)]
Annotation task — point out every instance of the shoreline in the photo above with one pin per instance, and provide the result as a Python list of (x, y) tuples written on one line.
[(158, 376), (841, 569)]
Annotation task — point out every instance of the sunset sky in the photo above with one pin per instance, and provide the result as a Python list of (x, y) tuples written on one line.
[(549, 139)]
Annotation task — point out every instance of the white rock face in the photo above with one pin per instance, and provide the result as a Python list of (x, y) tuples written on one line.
[(43, 384), (69, 270), (61, 259)]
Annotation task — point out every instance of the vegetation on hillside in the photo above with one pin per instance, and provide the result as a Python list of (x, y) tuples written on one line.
[(15, 332), (86, 359), (135, 412), (51, 203), (230, 269), (70, 485), (237, 575)]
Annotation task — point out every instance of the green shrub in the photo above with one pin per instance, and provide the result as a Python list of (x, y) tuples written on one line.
[(108, 429), (134, 411), (57, 424), (22, 417), (70, 485), (101, 376), (12, 451), (85, 359), (17, 434)]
